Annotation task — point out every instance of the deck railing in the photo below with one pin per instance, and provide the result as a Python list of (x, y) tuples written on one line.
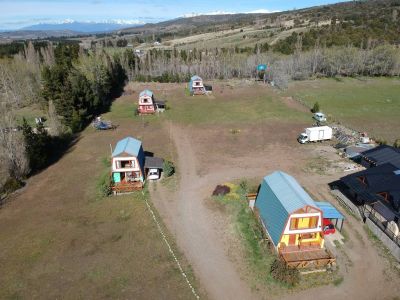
[(127, 187)]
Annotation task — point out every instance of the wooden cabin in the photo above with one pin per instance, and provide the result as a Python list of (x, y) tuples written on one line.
[(127, 166), (292, 221), (196, 86), (146, 102)]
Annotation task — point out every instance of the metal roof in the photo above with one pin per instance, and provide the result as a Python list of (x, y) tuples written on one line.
[(153, 163), (380, 179), (128, 145), (146, 93), (329, 211), (383, 154), (195, 77), (279, 196)]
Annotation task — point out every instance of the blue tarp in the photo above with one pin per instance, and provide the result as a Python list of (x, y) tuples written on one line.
[(329, 211)]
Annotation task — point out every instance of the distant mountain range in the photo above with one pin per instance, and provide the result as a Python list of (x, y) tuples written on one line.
[(84, 27)]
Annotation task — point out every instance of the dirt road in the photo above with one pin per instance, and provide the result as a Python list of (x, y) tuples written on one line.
[(198, 229)]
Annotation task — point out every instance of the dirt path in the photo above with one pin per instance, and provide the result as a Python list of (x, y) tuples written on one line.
[(197, 227)]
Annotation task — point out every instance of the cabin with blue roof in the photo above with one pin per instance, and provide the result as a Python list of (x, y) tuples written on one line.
[(127, 167), (196, 86), (146, 102), (292, 221)]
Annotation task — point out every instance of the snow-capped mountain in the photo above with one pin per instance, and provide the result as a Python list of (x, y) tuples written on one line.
[(85, 26), (215, 13)]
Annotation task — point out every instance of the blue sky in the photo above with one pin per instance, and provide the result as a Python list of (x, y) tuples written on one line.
[(19, 13)]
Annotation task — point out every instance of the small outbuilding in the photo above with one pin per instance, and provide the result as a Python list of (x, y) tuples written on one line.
[(146, 102), (127, 166), (196, 86)]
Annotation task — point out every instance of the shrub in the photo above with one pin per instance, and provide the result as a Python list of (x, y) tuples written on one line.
[(281, 272), (315, 108), (104, 185), (11, 185), (169, 168), (396, 143), (381, 141), (221, 190)]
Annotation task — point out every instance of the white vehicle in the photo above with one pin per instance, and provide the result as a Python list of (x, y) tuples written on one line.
[(153, 174), (320, 117), (315, 134)]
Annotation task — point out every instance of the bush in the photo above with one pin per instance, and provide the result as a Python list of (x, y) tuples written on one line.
[(281, 272), (169, 168), (396, 143), (11, 185), (315, 108), (104, 185), (221, 190)]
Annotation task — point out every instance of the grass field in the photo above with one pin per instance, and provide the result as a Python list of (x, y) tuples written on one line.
[(61, 239), (368, 105)]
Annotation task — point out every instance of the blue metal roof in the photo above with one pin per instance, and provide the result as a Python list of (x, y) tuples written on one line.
[(128, 145), (329, 211), (146, 93), (279, 196), (195, 77)]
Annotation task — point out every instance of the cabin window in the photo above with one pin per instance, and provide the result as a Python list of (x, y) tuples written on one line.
[(145, 100), (303, 223)]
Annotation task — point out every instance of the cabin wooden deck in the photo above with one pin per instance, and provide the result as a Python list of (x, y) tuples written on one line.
[(306, 256), (124, 187)]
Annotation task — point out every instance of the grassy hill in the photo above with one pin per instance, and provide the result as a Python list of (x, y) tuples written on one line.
[(360, 23)]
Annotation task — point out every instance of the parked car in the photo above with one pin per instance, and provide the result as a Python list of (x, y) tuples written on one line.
[(320, 117), (328, 227), (154, 174)]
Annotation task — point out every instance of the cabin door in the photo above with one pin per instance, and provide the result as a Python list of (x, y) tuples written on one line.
[(292, 240)]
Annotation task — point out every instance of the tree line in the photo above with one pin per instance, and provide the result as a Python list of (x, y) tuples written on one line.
[(71, 85)]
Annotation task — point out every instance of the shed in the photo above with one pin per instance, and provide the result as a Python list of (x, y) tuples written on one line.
[(330, 212), (154, 163), (196, 86), (130, 146)]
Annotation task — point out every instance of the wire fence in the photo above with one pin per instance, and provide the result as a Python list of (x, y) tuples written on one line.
[(171, 250)]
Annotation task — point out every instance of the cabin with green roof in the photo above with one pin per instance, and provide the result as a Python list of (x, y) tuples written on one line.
[(292, 221)]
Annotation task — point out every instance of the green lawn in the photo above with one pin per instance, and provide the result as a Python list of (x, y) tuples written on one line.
[(371, 105), (256, 105)]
